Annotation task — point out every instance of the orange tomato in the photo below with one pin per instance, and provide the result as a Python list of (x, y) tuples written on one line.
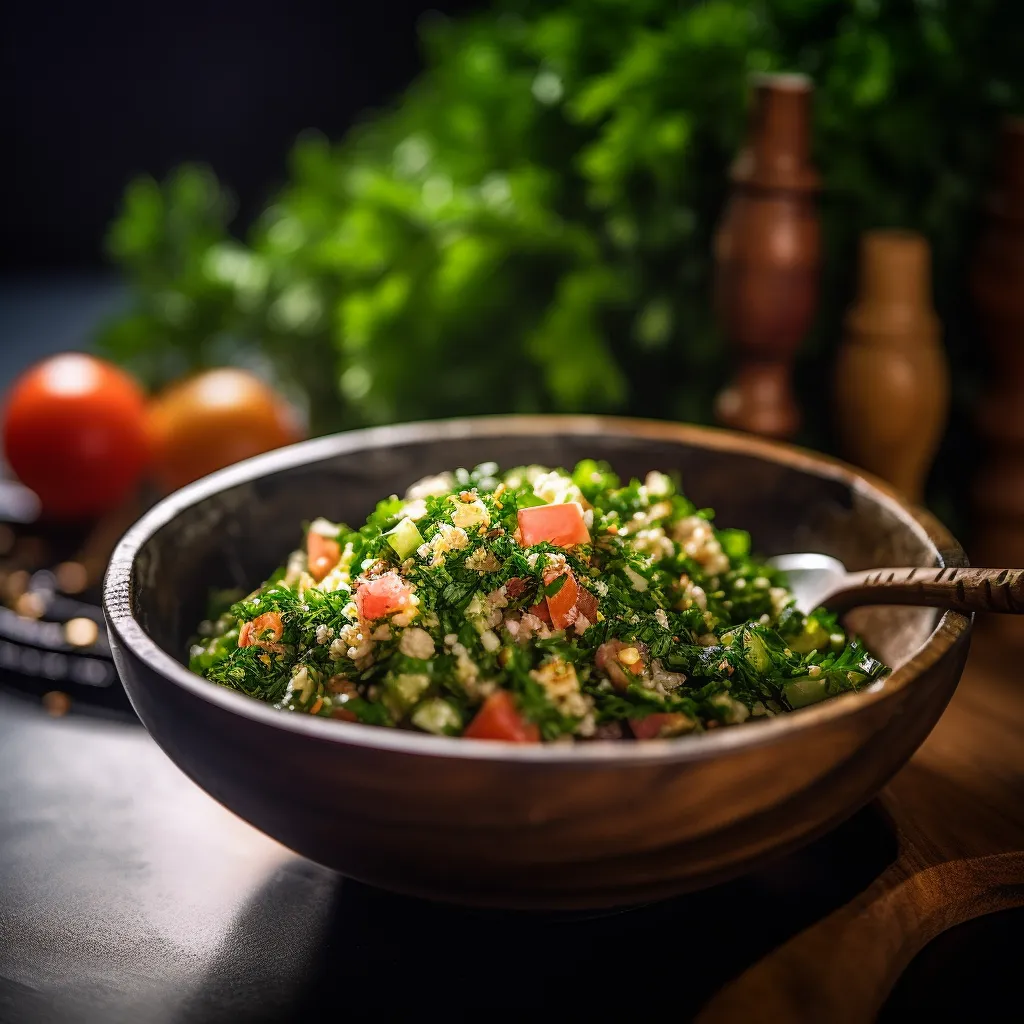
[(322, 554), (214, 419), (561, 605), (74, 431)]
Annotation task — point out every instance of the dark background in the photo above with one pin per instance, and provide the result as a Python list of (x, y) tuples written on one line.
[(99, 92), (96, 93)]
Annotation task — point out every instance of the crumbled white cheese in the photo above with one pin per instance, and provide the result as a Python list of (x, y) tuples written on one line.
[(429, 486), (483, 560), (323, 634), (653, 542), (531, 625), (470, 515), (658, 485), (698, 540), (490, 640), (415, 510), (561, 686), (448, 538), (324, 527), (301, 684), (661, 617), (416, 643), (556, 489)]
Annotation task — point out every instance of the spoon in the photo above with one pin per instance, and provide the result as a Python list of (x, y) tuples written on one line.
[(820, 580)]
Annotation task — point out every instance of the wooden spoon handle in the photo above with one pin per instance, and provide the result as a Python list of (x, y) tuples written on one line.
[(960, 589), (842, 968)]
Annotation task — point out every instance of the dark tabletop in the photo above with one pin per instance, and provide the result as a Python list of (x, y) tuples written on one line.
[(127, 894)]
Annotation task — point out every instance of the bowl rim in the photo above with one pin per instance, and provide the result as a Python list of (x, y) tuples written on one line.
[(950, 628)]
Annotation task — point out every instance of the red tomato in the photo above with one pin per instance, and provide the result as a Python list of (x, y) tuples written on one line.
[(212, 420), (516, 587), (661, 723), (322, 553), (586, 605), (541, 611), (559, 524), (562, 606), (383, 596), (74, 432), (499, 719)]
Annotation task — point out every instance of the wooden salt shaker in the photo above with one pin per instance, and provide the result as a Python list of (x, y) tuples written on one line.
[(767, 256), (998, 287), (892, 377)]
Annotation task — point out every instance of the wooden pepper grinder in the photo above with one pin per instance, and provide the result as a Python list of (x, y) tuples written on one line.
[(892, 377), (767, 256), (998, 287)]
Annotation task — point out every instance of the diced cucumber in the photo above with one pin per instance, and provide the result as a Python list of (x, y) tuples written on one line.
[(805, 690), (756, 653), (437, 716), (730, 636), (402, 691), (813, 637), (405, 538)]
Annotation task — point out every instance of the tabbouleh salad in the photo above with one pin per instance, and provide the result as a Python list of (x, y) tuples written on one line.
[(533, 605)]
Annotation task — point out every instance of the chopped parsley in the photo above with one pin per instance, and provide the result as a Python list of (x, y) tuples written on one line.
[(627, 614)]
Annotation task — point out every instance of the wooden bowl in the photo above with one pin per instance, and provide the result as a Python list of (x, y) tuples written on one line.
[(487, 824)]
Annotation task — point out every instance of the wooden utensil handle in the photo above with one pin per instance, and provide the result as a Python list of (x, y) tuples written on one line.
[(842, 968), (963, 590)]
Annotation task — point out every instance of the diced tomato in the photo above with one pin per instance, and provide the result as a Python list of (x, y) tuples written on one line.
[(662, 723), (322, 554), (383, 596), (586, 605), (516, 587), (541, 611), (345, 715), (560, 524), (499, 719), (562, 606), (253, 634)]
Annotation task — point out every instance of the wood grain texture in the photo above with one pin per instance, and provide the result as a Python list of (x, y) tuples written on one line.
[(998, 285), (892, 381), (547, 827), (767, 255), (958, 812), (966, 590)]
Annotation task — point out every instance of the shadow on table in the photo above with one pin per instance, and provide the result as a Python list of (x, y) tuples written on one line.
[(375, 952)]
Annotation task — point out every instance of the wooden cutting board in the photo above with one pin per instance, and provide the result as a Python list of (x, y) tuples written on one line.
[(957, 811)]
